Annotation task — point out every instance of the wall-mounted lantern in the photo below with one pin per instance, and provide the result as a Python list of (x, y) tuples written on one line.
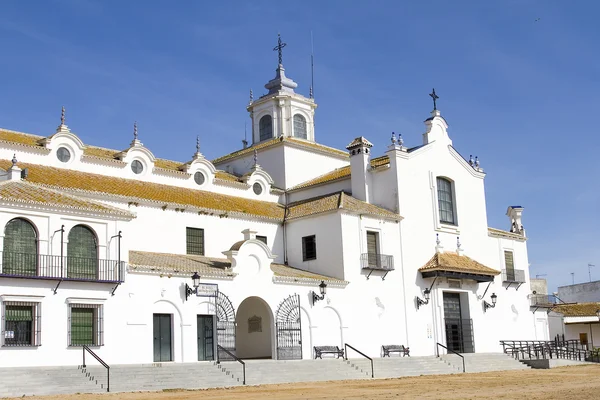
[(421, 302), (487, 305), (323, 290), (196, 282)]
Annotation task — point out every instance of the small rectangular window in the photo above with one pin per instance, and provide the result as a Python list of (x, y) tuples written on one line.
[(195, 241), (309, 248), (86, 325), (446, 206), (509, 260), (21, 324), (373, 248), (509, 265), (262, 239)]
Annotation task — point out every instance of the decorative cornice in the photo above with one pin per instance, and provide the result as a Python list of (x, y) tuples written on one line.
[(499, 233), (149, 270), (335, 283)]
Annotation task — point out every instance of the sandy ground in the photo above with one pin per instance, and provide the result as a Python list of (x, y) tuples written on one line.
[(576, 382)]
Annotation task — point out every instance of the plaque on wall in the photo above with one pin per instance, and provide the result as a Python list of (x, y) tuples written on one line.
[(254, 324)]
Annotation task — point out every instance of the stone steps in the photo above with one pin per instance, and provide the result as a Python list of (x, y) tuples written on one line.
[(17, 382)]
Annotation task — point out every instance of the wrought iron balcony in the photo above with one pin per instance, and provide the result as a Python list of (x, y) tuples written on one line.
[(513, 275), (377, 262), (542, 300), (40, 266)]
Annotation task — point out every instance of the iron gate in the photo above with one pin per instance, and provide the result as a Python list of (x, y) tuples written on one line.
[(289, 329), (225, 326)]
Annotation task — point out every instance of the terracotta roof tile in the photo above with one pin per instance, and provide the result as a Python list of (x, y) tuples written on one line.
[(340, 173), (21, 138), (276, 141), (29, 193), (577, 310), (225, 176), (452, 262), (177, 263), (291, 272), (335, 201), (361, 140), (86, 182)]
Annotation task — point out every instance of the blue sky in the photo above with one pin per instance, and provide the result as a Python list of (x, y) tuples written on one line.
[(517, 81)]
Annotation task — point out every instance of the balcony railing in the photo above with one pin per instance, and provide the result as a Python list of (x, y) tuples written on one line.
[(377, 262), (513, 275), (40, 266), (543, 300)]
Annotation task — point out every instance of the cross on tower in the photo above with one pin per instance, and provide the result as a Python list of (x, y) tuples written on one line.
[(279, 47), (434, 97)]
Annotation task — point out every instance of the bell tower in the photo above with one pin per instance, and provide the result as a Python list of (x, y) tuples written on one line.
[(281, 112)]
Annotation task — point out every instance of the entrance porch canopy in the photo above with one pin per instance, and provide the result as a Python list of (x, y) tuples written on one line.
[(452, 265)]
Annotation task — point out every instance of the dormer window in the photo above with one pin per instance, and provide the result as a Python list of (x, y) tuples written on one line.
[(265, 127), (137, 167), (299, 126), (63, 154), (447, 210)]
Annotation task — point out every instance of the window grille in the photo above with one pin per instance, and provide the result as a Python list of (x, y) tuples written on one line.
[(21, 324), (195, 241), (82, 253), (309, 248), (446, 201), (86, 325), (20, 255), (265, 128), (299, 126)]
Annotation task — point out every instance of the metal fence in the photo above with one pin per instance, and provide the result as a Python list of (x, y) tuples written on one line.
[(513, 275), (381, 262), (24, 265)]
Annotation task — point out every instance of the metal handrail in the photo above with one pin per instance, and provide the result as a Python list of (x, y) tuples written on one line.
[(105, 365), (219, 347), (362, 354), (437, 349)]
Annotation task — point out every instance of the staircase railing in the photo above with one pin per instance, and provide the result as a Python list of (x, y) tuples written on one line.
[(236, 358), (346, 345), (548, 349), (437, 350), (105, 365)]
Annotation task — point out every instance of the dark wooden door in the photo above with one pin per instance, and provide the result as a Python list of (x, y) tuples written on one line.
[(162, 338), (205, 334)]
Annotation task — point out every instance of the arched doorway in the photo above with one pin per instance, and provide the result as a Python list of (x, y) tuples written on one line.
[(254, 329), (329, 331)]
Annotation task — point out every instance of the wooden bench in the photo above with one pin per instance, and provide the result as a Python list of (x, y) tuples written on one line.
[(320, 350), (395, 348)]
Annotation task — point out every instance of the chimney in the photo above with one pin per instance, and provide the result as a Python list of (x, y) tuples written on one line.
[(514, 215), (360, 163)]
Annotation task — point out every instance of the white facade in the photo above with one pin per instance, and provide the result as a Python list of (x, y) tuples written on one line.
[(375, 228)]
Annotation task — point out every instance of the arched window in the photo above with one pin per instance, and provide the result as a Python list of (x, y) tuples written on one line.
[(82, 253), (445, 192), (20, 255), (265, 127), (299, 126)]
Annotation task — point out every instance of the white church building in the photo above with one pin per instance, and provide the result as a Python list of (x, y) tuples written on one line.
[(265, 252)]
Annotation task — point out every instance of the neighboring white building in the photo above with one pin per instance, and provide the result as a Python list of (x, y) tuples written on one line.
[(99, 247), (579, 321)]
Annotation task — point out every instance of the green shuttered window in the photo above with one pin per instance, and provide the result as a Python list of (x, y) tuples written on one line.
[(20, 253), (21, 324), (194, 241), (85, 325), (82, 253)]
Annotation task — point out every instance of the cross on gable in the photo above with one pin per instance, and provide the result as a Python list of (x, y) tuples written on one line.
[(434, 97)]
